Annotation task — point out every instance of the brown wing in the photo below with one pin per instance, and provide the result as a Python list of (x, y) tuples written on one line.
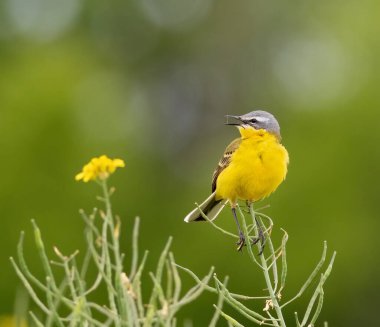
[(225, 161)]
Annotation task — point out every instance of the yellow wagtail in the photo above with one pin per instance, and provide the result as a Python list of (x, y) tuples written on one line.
[(251, 168)]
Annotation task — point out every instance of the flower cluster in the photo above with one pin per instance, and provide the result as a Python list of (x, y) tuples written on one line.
[(99, 168)]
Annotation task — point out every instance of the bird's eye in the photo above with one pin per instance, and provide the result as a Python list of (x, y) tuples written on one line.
[(253, 120)]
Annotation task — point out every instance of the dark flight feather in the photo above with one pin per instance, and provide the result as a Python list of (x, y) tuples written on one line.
[(225, 161)]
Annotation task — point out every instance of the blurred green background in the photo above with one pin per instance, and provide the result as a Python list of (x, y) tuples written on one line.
[(150, 81)]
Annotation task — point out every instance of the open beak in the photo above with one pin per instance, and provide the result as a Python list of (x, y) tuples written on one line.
[(233, 123)]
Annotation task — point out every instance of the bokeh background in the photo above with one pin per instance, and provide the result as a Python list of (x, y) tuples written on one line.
[(150, 81)]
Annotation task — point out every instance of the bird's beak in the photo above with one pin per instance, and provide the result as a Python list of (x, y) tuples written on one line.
[(233, 123)]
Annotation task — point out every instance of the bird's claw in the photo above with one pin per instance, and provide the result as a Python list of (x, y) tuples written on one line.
[(241, 242), (254, 241), (261, 239)]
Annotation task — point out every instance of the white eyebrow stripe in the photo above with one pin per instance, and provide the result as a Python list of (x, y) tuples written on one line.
[(262, 119)]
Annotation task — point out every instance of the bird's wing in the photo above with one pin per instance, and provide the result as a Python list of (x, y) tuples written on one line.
[(225, 161)]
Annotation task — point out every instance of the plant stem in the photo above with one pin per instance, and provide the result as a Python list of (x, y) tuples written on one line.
[(116, 249), (267, 277)]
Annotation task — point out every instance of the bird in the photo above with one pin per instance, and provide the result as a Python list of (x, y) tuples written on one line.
[(251, 168)]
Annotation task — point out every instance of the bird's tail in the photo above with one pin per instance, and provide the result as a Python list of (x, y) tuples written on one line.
[(211, 207)]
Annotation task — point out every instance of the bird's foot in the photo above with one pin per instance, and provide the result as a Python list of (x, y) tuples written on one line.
[(260, 238), (241, 242)]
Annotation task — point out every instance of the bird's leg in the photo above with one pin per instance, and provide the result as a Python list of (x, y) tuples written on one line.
[(241, 241), (260, 237)]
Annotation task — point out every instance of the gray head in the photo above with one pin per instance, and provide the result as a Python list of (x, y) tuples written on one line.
[(258, 119)]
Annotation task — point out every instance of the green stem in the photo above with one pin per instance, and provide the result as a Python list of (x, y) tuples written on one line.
[(219, 305), (121, 295), (267, 278)]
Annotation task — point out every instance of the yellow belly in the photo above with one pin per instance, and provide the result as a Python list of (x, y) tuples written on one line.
[(257, 168)]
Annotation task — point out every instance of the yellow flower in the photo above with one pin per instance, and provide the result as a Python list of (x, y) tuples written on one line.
[(99, 168)]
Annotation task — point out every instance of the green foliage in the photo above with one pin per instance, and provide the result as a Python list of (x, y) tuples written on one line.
[(67, 301), (269, 262)]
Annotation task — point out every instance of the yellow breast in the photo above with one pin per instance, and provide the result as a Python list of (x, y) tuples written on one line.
[(257, 167)]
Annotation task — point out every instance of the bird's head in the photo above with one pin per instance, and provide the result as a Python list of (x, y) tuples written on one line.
[(257, 119)]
